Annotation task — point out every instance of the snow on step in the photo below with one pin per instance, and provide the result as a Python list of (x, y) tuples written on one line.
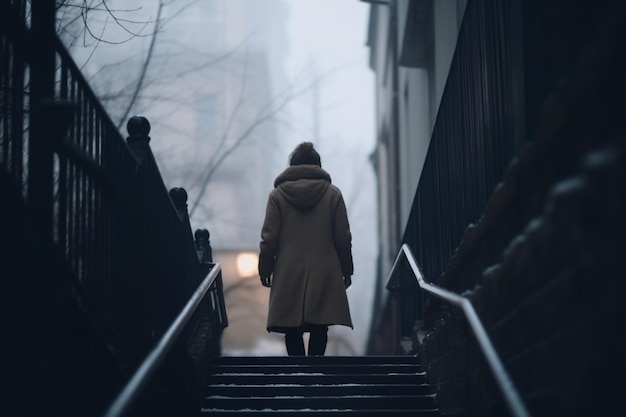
[(318, 385)]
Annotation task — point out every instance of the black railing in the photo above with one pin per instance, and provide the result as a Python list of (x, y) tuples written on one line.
[(478, 130), (480, 127), (98, 199), (14, 92), (509, 58)]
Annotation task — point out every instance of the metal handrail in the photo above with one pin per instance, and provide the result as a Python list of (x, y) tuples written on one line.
[(137, 383), (510, 394)]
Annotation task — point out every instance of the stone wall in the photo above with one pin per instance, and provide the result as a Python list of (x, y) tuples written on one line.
[(542, 266)]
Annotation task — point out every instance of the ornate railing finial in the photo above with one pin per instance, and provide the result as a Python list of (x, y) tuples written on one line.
[(138, 128), (201, 235), (179, 197), (203, 245)]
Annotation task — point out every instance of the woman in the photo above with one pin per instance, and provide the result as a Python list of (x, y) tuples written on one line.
[(306, 254)]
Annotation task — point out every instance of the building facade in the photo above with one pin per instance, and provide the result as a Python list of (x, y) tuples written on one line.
[(412, 43)]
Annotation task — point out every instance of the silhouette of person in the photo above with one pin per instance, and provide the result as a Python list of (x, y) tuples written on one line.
[(306, 254)]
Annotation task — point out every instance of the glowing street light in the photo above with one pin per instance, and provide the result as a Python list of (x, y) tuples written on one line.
[(247, 264)]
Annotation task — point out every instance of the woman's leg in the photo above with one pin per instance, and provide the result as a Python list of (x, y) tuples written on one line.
[(294, 342), (318, 340)]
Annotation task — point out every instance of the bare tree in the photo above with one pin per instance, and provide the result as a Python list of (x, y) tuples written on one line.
[(88, 24)]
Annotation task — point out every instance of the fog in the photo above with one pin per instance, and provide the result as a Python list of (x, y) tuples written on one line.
[(231, 87)]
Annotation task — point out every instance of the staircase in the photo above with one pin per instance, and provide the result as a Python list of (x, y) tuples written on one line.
[(328, 385)]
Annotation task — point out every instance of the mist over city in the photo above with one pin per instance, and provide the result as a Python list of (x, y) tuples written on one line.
[(230, 87)]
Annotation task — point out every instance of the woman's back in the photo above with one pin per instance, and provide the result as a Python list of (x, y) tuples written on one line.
[(306, 249)]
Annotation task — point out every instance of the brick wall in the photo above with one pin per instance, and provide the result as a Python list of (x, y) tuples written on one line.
[(544, 265)]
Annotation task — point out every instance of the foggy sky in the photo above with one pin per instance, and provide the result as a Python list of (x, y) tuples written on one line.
[(320, 40), (330, 34)]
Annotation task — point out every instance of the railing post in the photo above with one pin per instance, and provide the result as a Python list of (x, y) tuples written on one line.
[(203, 245), (219, 318), (179, 198), (138, 218), (138, 128), (40, 161)]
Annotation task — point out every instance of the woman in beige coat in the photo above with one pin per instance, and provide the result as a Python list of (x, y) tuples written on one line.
[(306, 254)]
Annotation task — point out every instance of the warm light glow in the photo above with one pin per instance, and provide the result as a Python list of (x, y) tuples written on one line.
[(247, 264)]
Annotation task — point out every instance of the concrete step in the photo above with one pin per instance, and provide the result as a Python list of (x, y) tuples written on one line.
[(331, 369), (308, 360), (271, 390), (310, 413), (373, 402), (310, 379), (366, 385)]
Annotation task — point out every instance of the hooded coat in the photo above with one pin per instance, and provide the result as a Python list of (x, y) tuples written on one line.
[(306, 246)]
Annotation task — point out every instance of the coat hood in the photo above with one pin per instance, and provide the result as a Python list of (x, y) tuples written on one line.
[(303, 185)]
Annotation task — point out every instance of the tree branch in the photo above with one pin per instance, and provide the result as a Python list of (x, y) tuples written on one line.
[(144, 69), (264, 115)]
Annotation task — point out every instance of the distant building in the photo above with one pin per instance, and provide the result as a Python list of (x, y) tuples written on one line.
[(232, 110), (235, 106)]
